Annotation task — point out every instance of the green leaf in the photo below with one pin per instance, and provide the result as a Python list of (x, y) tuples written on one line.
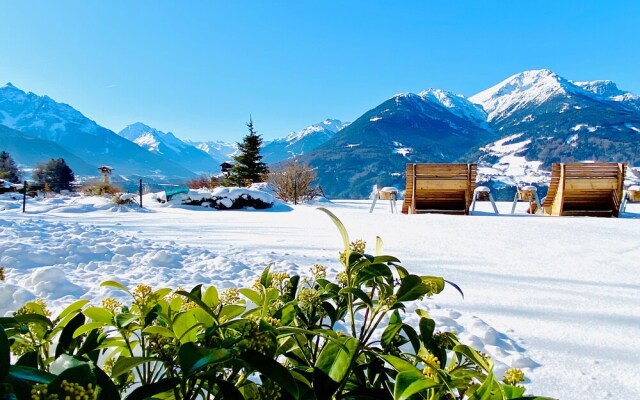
[(185, 327), (456, 287), (373, 271), (116, 285), (124, 364), (384, 259), (474, 356), (98, 314), (88, 327), (193, 357), (230, 311), (360, 294), (409, 383), (341, 229), (272, 370), (159, 330), (75, 306), (252, 295), (513, 392), (81, 374), (66, 339), (34, 319), (265, 278), (434, 281), (160, 293), (427, 327), (378, 246), (5, 354), (150, 390), (198, 301), (399, 364), (19, 372), (487, 390), (125, 319), (210, 296), (412, 288), (390, 333), (228, 391), (334, 365)]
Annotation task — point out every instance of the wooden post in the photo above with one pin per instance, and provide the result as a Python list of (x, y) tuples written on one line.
[(24, 197), (140, 193)]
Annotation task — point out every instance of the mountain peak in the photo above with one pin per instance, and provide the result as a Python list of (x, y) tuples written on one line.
[(534, 86), (455, 103)]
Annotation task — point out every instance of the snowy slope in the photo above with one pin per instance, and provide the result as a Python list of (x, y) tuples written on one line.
[(456, 104), (557, 297), (521, 90), (305, 140), (171, 148)]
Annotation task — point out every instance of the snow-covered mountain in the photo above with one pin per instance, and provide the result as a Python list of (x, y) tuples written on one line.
[(514, 130), (432, 126), (302, 141), (171, 148), (43, 118), (544, 118), (220, 151)]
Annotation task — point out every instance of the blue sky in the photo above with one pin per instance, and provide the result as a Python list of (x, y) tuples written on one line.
[(200, 68)]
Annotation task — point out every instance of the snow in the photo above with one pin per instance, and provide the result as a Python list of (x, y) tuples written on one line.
[(632, 127), (558, 297), (580, 127), (517, 91), (456, 104), (328, 126), (374, 119)]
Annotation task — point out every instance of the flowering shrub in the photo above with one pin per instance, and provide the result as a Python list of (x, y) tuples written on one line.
[(287, 337)]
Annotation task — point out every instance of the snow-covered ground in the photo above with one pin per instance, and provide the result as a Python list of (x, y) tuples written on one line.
[(557, 297)]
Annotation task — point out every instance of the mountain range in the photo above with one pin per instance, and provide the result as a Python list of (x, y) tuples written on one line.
[(513, 130)]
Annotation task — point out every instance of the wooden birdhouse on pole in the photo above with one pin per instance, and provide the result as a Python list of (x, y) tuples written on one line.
[(106, 173), (225, 167)]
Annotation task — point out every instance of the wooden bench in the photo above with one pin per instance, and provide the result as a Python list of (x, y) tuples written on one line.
[(439, 188), (585, 189)]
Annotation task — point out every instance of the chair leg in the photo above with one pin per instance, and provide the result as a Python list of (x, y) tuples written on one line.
[(539, 210), (515, 201), (473, 202), (623, 204), (493, 203), (373, 204)]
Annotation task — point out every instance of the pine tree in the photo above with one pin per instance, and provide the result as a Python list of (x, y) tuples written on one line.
[(249, 165), (56, 173), (8, 168)]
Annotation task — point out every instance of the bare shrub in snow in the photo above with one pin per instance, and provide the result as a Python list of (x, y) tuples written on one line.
[(294, 182)]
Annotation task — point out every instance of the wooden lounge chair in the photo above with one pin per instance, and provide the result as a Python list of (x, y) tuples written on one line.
[(439, 188), (591, 189)]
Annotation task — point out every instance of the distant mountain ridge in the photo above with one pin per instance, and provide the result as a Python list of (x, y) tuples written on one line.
[(43, 118), (302, 141), (171, 148)]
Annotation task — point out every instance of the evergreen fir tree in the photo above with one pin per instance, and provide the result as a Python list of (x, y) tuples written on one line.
[(56, 173), (249, 165), (8, 168)]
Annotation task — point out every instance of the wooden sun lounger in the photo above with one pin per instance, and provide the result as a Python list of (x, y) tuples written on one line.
[(439, 188), (585, 189)]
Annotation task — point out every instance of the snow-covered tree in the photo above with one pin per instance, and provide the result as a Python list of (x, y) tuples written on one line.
[(249, 165)]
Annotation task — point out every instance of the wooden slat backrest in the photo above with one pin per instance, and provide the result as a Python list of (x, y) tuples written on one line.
[(439, 183), (585, 185)]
